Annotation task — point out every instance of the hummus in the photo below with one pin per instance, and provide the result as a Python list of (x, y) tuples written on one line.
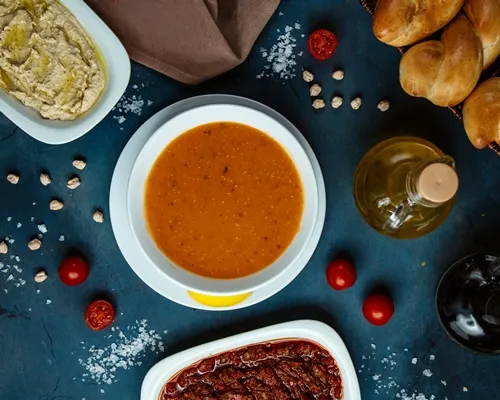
[(47, 60)]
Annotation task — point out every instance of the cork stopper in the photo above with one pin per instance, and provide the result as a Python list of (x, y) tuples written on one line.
[(437, 183)]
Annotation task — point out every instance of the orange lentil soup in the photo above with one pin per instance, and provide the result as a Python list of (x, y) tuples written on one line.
[(223, 200)]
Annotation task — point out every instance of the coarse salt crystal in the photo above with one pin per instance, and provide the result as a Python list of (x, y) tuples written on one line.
[(19, 225), (414, 360), (48, 301), (121, 119), (102, 363), (42, 228), (432, 357), (374, 346), (9, 219), (465, 389), (281, 56), (444, 383), (427, 373), (61, 238)]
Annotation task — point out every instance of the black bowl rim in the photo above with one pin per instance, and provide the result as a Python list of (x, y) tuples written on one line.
[(472, 349)]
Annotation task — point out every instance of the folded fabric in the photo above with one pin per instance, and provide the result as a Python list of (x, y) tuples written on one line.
[(188, 40)]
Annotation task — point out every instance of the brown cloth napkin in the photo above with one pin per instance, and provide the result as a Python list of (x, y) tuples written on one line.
[(188, 40)]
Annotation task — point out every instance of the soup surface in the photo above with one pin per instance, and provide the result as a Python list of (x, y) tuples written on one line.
[(223, 200)]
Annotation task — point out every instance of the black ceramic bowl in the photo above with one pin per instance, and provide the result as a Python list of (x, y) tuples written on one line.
[(468, 303)]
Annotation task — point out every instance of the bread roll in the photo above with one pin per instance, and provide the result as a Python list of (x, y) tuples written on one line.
[(404, 22), (481, 114), (446, 71), (485, 18)]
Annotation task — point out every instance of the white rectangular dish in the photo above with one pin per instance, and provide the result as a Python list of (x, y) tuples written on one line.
[(117, 65), (314, 331)]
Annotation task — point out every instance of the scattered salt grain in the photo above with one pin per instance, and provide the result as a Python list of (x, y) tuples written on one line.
[(149, 102), (38, 291), (465, 389), (387, 386), (42, 228), (19, 225), (61, 238), (432, 357), (102, 390), (427, 373), (32, 219), (9, 219), (131, 104), (124, 352), (281, 55), (48, 301), (121, 119)]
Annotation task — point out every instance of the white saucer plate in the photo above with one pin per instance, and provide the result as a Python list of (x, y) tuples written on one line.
[(120, 222)]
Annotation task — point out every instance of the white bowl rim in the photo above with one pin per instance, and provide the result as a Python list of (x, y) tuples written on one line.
[(309, 330), (185, 278)]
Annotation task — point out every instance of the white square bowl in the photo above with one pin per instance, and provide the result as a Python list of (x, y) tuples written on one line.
[(314, 331), (117, 68)]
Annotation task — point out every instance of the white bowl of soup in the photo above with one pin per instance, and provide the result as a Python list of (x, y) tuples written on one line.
[(222, 199)]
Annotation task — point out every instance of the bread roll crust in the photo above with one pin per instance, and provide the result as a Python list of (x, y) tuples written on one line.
[(403, 22), (481, 114), (484, 16), (445, 72)]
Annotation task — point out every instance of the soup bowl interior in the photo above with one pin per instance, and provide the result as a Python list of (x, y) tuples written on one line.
[(157, 144)]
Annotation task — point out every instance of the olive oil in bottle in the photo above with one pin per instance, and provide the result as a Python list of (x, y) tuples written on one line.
[(405, 187)]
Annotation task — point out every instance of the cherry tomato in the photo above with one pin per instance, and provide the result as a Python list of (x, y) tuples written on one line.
[(340, 274), (322, 43), (99, 315), (73, 271), (378, 309)]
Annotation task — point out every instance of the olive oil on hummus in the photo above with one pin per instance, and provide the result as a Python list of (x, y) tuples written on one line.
[(47, 60)]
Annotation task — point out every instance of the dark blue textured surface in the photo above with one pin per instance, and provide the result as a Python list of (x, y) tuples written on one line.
[(39, 349)]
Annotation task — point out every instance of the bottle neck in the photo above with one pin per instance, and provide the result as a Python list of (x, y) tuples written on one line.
[(428, 185)]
